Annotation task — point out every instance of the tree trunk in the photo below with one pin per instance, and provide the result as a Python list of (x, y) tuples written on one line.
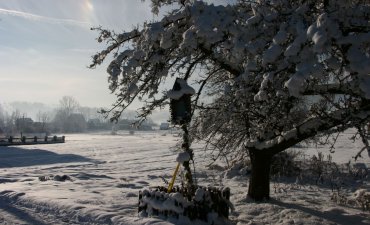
[(259, 182)]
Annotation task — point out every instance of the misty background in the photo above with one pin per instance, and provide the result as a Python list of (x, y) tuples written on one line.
[(68, 116)]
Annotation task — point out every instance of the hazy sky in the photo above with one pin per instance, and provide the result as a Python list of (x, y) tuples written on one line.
[(46, 46)]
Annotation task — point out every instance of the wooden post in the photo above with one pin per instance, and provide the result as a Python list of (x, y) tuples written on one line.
[(35, 139), (181, 115), (186, 148)]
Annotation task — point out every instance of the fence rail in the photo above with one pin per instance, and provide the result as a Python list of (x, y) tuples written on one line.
[(31, 140)]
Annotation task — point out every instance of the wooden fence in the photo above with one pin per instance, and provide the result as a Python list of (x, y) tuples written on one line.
[(31, 140)]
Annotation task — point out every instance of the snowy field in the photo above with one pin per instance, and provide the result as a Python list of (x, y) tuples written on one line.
[(105, 173)]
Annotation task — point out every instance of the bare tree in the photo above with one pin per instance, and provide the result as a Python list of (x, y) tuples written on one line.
[(69, 105), (44, 119), (2, 117)]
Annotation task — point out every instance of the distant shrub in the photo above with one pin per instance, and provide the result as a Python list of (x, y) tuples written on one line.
[(285, 164)]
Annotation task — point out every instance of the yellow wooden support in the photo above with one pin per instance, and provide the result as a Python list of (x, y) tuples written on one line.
[(173, 178)]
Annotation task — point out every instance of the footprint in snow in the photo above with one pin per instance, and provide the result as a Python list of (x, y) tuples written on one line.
[(131, 195), (132, 186)]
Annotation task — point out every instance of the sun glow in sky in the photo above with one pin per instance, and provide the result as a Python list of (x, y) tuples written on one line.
[(46, 46), (89, 6)]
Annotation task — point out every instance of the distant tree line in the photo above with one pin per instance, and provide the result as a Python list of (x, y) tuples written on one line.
[(68, 117)]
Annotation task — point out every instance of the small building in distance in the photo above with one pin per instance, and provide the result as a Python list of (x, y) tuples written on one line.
[(164, 126), (24, 124)]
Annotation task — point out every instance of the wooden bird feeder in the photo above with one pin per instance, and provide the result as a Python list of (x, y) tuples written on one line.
[(180, 108)]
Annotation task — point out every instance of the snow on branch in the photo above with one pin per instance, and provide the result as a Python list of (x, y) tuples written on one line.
[(311, 127)]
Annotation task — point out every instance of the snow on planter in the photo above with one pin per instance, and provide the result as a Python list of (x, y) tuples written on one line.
[(208, 204)]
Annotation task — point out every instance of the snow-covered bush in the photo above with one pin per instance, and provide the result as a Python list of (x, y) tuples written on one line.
[(358, 170), (237, 168), (319, 167), (362, 198), (283, 164), (340, 198)]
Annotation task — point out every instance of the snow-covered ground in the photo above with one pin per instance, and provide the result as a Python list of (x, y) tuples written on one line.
[(105, 173)]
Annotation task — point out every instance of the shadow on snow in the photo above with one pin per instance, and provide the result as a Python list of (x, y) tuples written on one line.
[(335, 215), (19, 157)]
